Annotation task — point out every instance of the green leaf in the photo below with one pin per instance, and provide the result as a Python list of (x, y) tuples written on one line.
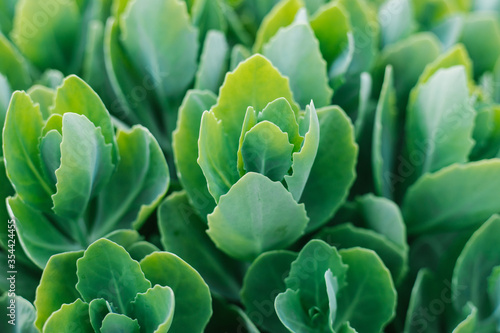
[(396, 21), (57, 285), (141, 249), (331, 27), (266, 150), (474, 266), (291, 313), (229, 318), (22, 129), (98, 310), (107, 271), (440, 122), (43, 235), (450, 200), (154, 309), (455, 56), (76, 96), (215, 156), (494, 293), (346, 328), (303, 160), (185, 147), (18, 314), (6, 190), (481, 37), (180, 228), (288, 50), (264, 279), (208, 15), (13, 66), (50, 153), (385, 137), (366, 275), (363, 19), (249, 122), (137, 186), (84, 171), (164, 50), (468, 325), (307, 274), (408, 59), (424, 291), (213, 61), (280, 15), (256, 75), (192, 296), (238, 54), (44, 97), (346, 235), (333, 170), (119, 323), (246, 222), (48, 33), (72, 317)]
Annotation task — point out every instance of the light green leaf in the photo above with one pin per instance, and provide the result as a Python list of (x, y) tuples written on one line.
[(332, 288), (474, 266), (22, 129), (185, 147), (396, 20), (213, 61), (346, 235), (450, 200), (13, 65), (266, 150), (288, 50), (72, 317), (280, 15), (280, 113), (107, 271), (192, 296), (385, 137), (311, 283), (264, 279), (208, 15), (216, 157), (43, 235), (481, 37), (137, 186), (246, 222), (44, 97), (48, 33), (119, 323), (440, 122), (249, 122), (256, 75), (238, 54), (304, 159), (164, 50), (154, 309), (18, 314), (180, 228), (76, 96), (366, 276), (83, 171), (346, 328), (57, 285), (331, 26), (333, 170), (408, 59)]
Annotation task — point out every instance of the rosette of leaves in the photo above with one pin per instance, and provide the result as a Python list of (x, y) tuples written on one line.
[(319, 289), (75, 179), (264, 171), (102, 289)]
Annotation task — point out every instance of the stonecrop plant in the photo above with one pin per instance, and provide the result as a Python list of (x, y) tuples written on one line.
[(229, 166)]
